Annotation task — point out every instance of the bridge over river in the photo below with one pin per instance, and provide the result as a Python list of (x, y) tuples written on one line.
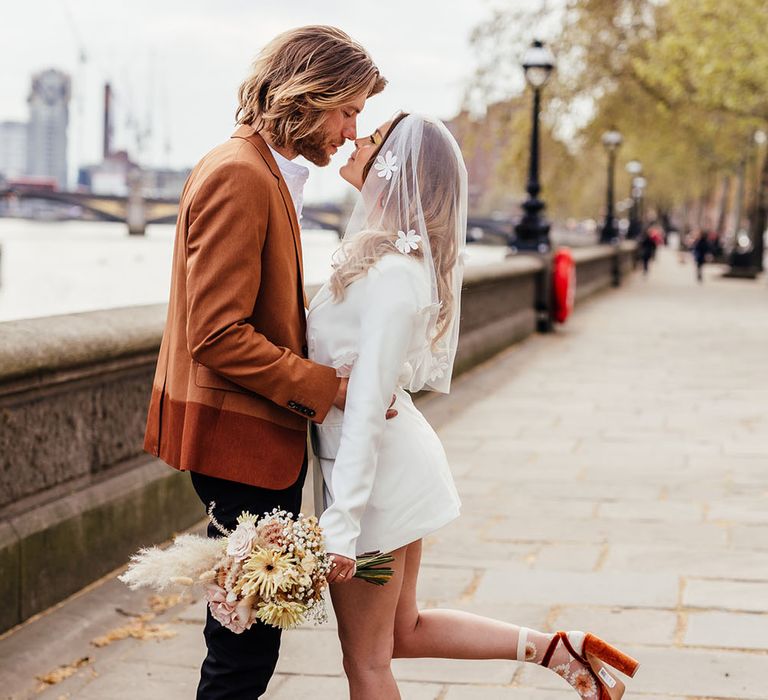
[(137, 211), (152, 210), (614, 477)]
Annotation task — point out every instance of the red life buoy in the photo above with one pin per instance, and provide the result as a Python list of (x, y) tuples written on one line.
[(564, 284)]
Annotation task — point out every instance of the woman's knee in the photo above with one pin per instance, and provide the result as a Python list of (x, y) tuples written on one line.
[(405, 633), (366, 652), (357, 667)]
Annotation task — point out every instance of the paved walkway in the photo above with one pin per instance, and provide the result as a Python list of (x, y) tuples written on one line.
[(614, 478)]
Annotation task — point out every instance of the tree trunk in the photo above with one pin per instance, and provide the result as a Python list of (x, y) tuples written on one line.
[(722, 213)]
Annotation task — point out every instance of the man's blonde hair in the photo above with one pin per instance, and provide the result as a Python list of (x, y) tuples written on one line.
[(301, 74)]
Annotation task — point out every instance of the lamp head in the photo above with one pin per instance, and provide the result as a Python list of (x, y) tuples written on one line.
[(538, 64), (612, 139)]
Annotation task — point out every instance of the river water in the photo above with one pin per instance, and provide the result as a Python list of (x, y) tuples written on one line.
[(49, 268)]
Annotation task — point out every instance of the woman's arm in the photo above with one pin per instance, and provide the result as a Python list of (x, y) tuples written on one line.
[(390, 308)]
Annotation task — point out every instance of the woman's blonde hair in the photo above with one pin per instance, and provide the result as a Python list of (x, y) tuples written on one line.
[(301, 74), (438, 180)]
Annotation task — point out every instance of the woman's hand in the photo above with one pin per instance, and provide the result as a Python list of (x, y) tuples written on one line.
[(343, 569), (341, 394)]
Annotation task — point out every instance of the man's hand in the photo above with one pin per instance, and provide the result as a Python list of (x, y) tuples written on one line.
[(343, 569), (341, 398)]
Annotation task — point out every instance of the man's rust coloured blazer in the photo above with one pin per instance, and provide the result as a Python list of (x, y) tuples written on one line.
[(233, 389)]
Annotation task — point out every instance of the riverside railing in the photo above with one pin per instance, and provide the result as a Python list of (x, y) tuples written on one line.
[(78, 495)]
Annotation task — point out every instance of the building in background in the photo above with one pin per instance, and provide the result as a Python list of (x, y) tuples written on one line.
[(112, 175), (13, 150), (116, 171), (47, 130)]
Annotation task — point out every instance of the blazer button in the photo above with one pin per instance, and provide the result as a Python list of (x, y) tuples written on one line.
[(311, 413)]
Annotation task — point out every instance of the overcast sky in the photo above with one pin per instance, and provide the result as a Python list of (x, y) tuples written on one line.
[(175, 65)]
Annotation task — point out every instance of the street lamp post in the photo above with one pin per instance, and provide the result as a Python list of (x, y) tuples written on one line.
[(761, 206), (634, 168), (638, 192), (532, 233), (611, 141), (746, 259)]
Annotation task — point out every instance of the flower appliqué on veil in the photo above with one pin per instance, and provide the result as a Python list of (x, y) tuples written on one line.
[(437, 371), (386, 165), (407, 241)]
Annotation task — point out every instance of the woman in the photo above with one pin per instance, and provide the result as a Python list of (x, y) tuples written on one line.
[(388, 319)]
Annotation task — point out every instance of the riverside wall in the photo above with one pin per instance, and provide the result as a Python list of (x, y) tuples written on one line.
[(78, 495)]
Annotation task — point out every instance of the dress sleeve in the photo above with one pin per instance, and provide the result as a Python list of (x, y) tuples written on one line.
[(390, 309)]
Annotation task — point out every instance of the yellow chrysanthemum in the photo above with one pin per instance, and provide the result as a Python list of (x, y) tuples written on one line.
[(264, 572), (282, 614)]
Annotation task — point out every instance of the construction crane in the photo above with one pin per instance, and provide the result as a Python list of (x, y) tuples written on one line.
[(79, 82), (117, 97)]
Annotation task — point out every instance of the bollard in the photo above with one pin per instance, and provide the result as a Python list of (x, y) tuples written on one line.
[(545, 303), (616, 267)]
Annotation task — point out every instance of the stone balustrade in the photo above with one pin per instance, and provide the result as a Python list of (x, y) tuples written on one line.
[(78, 495)]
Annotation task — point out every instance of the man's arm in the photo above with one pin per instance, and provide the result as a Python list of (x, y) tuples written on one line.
[(226, 234)]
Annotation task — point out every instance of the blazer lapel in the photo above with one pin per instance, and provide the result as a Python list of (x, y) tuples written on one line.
[(248, 133)]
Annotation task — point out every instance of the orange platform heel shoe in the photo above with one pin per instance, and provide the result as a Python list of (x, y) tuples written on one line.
[(597, 681)]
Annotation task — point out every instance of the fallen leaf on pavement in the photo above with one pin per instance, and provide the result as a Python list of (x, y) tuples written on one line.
[(160, 603), (138, 629), (63, 672)]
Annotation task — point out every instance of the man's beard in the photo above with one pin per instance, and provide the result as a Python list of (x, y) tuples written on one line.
[(315, 148)]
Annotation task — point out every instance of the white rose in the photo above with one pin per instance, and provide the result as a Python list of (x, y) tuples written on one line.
[(240, 542)]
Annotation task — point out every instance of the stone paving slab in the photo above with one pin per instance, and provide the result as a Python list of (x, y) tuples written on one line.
[(748, 596), (727, 630), (614, 477), (621, 625), (311, 688)]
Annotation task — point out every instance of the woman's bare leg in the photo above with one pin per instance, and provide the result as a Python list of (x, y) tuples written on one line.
[(366, 617), (454, 634)]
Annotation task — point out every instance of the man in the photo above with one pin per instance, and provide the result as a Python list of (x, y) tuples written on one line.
[(233, 389), (701, 251), (648, 243)]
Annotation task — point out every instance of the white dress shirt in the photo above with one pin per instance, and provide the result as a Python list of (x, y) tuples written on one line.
[(295, 177)]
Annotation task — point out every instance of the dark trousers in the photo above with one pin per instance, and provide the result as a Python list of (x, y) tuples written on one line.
[(239, 666)]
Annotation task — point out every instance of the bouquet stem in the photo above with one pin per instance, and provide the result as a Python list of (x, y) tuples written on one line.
[(370, 568)]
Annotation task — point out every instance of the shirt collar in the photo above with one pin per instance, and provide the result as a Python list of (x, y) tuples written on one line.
[(294, 170), (295, 177)]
